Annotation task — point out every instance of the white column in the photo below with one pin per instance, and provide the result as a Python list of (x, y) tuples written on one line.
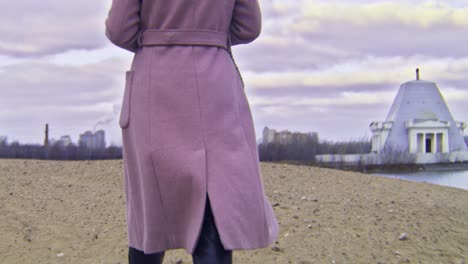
[(445, 142), (439, 142), (434, 143), (424, 143), (413, 144), (420, 139), (410, 140)]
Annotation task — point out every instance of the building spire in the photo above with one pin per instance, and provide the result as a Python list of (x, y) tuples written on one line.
[(417, 74)]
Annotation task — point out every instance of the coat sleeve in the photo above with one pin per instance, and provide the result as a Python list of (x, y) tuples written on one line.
[(123, 24), (246, 22)]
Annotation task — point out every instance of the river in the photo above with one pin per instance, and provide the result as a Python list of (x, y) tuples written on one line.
[(457, 179)]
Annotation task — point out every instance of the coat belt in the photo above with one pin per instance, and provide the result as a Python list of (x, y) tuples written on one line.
[(190, 37)]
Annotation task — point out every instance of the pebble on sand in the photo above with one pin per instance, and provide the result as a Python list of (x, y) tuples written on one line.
[(403, 236)]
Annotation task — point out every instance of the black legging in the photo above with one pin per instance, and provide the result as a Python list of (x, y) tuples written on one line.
[(209, 249)]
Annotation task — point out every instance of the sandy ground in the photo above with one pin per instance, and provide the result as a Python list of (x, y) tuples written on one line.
[(74, 212)]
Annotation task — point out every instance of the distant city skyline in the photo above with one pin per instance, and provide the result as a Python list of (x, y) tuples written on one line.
[(95, 139), (330, 67)]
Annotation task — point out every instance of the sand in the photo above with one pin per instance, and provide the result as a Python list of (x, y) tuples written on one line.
[(74, 212)]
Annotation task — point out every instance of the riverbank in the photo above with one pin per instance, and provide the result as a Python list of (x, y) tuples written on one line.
[(73, 212), (389, 168)]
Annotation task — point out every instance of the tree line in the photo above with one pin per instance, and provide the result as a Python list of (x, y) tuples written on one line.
[(300, 150), (56, 151), (305, 151)]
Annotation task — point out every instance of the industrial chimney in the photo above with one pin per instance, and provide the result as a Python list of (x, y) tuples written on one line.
[(46, 139)]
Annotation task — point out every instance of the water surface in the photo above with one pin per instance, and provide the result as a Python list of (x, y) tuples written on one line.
[(457, 179)]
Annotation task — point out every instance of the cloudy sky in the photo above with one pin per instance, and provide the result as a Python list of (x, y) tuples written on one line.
[(329, 66)]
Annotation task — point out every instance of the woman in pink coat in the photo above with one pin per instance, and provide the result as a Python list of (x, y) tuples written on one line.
[(192, 175)]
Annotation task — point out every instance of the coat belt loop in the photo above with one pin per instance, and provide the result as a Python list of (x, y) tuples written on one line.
[(140, 34)]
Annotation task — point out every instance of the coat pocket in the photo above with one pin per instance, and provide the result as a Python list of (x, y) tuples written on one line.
[(124, 119)]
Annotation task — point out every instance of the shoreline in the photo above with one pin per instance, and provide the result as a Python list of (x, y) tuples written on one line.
[(389, 168)]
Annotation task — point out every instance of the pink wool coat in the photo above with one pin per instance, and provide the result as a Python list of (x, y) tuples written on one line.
[(186, 123)]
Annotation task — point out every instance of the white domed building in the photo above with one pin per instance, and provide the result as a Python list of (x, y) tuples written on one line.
[(419, 129), (419, 122)]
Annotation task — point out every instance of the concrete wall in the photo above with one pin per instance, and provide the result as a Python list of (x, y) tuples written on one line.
[(349, 159), (426, 158), (381, 159)]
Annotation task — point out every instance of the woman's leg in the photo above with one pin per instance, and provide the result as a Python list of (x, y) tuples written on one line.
[(209, 249), (136, 256)]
